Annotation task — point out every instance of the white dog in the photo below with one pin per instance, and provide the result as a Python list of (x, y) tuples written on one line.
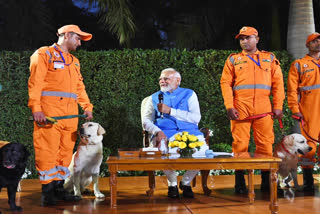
[(288, 151), (85, 164)]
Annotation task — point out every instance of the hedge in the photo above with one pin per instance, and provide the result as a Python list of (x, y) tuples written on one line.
[(116, 82)]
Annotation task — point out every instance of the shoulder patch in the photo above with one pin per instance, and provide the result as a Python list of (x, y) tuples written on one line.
[(231, 58)]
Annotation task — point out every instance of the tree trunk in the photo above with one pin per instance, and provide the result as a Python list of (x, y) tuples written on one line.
[(301, 24)]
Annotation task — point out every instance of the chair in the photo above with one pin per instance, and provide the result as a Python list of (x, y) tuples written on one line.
[(151, 174)]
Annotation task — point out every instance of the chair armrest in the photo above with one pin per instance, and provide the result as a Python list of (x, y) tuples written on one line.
[(146, 141), (206, 135)]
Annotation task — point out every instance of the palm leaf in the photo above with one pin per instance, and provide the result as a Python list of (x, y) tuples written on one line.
[(117, 18)]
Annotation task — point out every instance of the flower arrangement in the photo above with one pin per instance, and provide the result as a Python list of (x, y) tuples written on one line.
[(186, 143)]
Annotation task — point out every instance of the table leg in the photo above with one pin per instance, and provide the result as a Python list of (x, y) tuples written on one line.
[(251, 186), (204, 180), (152, 183), (113, 187), (274, 207)]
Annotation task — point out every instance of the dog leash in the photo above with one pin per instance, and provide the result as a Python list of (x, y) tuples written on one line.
[(54, 120), (302, 124), (257, 116)]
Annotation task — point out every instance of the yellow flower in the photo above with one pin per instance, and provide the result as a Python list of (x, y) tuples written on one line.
[(184, 138), (201, 143), (176, 143), (177, 137), (182, 145), (171, 144), (192, 145), (192, 138), (185, 133)]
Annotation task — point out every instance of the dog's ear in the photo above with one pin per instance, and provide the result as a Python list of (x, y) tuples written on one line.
[(101, 130), (290, 140)]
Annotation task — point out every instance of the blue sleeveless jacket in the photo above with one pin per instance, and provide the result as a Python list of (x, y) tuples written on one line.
[(178, 99)]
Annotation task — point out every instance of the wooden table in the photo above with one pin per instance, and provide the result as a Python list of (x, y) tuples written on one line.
[(240, 161)]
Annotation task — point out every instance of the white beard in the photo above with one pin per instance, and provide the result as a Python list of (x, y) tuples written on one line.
[(165, 88)]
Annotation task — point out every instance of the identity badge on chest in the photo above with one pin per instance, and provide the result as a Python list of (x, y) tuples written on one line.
[(58, 64)]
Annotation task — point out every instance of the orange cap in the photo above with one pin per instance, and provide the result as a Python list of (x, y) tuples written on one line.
[(312, 37), (74, 28), (247, 31)]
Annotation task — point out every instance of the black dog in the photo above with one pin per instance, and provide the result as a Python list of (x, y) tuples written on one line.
[(13, 161)]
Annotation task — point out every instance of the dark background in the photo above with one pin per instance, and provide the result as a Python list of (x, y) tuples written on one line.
[(161, 24)]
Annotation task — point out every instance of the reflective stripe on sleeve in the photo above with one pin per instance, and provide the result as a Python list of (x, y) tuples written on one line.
[(311, 87), (48, 52), (231, 60), (297, 65)]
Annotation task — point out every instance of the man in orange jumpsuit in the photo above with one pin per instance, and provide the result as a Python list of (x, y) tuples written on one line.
[(55, 89), (304, 101), (247, 80)]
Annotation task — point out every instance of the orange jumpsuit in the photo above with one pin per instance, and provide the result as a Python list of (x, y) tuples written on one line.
[(56, 88), (304, 97), (247, 87)]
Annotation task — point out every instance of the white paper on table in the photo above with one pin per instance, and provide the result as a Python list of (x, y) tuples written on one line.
[(150, 149), (222, 153)]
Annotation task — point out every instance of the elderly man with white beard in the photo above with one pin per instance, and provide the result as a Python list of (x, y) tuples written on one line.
[(178, 112)]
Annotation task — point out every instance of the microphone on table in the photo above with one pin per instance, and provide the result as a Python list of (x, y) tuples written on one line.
[(160, 97)]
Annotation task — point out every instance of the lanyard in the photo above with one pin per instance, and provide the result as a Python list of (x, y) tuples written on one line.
[(257, 62), (64, 61), (316, 63)]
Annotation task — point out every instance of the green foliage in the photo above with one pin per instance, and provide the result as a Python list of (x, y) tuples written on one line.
[(116, 82)]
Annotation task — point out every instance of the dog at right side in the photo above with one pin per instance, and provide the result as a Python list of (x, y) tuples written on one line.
[(288, 150)]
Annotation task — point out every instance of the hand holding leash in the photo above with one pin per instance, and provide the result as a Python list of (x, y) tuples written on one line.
[(88, 114), (233, 114), (277, 114), (39, 117), (54, 120)]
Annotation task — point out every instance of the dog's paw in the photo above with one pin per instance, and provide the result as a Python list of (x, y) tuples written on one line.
[(19, 187), (77, 192), (78, 196), (99, 194), (86, 191)]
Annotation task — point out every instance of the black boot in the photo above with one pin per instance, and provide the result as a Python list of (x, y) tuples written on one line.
[(240, 186), (173, 192), (308, 183), (47, 197), (187, 191), (62, 194), (265, 184)]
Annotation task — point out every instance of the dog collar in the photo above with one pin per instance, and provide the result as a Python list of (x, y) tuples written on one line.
[(284, 148)]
